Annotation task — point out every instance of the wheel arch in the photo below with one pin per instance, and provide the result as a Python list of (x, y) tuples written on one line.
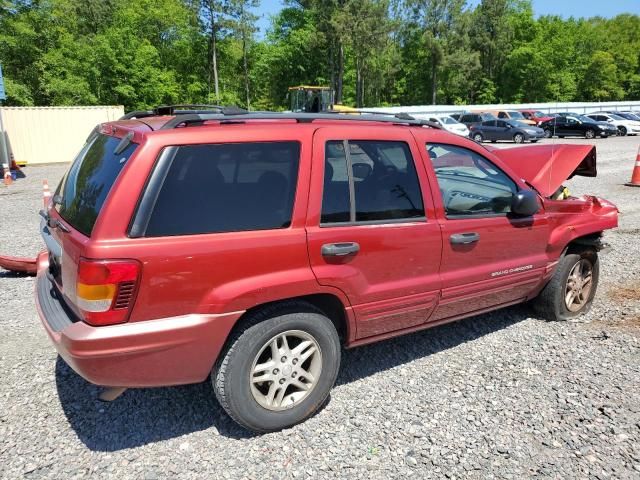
[(328, 304)]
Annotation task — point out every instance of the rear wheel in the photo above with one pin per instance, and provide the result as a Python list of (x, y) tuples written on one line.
[(548, 133), (534, 140), (570, 291), (477, 137), (279, 369), (518, 138), (590, 134), (622, 131)]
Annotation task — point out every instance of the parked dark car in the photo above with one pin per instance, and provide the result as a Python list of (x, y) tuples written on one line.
[(635, 116), (471, 119), (577, 126), (510, 130)]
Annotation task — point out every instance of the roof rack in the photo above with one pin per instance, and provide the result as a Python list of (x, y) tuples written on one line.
[(231, 117), (183, 109)]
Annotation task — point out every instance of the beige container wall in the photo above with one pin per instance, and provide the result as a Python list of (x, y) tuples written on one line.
[(52, 134)]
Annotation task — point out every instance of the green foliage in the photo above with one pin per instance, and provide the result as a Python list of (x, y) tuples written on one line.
[(372, 52)]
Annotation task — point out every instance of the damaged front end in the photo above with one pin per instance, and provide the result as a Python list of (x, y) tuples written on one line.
[(577, 220)]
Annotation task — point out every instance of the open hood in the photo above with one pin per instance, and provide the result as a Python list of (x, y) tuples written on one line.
[(546, 167)]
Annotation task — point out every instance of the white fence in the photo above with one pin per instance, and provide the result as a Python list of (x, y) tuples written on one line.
[(576, 107), (52, 134)]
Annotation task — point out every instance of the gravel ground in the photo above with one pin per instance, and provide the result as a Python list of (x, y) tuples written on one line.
[(502, 395)]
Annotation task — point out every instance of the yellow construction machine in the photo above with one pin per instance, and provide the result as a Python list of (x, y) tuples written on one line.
[(314, 99)]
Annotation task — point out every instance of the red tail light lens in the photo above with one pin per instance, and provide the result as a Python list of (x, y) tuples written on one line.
[(105, 290)]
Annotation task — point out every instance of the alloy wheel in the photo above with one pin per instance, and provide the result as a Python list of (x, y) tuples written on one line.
[(285, 370), (578, 286)]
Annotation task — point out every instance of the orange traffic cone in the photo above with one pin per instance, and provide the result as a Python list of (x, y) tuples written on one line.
[(8, 180), (635, 176), (46, 193)]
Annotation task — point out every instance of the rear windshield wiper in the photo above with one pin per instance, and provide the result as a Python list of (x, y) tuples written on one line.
[(52, 222)]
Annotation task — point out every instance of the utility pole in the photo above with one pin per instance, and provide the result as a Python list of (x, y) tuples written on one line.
[(6, 161)]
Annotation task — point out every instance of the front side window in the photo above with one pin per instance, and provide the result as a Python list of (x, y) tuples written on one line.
[(370, 181), (227, 188), (470, 185)]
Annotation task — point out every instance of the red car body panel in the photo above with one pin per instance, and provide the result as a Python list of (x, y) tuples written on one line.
[(531, 115), (407, 276), (546, 167)]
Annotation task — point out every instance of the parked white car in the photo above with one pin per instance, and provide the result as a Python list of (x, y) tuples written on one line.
[(624, 126), (448, 123)]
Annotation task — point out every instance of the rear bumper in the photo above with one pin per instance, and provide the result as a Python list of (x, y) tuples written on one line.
[(169, 351)]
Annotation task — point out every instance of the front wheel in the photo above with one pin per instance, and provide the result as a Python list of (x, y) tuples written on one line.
[(477, 137), (570, 291), (279, 370), (590, 134), (518, 138), (622, 131), (548, 133)]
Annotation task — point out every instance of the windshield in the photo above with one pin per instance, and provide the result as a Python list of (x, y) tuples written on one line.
[(540, 114), (515, 115), (83, 190), (517, 124), (487, 116), (582, 118), (448, 120), (616, 117)]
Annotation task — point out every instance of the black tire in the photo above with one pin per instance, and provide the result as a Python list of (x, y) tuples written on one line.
[(477, 137), (590, 133), (622, 131), (518, 138), (560, 136), (550, 303), (535, 140), (230, 377), (548, 133)]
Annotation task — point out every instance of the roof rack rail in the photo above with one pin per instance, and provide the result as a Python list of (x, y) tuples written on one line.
[(224, 117), (183, 109)]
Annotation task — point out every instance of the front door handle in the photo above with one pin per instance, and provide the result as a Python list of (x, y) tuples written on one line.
[(339, 249), (464, 238)]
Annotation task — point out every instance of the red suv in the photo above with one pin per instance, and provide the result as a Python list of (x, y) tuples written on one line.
[(248, 248)]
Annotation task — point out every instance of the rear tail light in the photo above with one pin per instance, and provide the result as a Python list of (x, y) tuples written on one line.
[(105, 290)]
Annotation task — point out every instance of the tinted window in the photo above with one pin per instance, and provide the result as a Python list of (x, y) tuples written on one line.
[(383, 178), (503, 115), (469, 183), (501, 123), (227, 188), (86, 185), (335, 196)]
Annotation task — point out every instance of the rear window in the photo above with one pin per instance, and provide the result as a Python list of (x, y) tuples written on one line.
[(85, 187), (227, 188)]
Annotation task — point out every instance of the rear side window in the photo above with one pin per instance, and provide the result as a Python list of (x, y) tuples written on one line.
[(85, 187), (226, 188), (370, 181)]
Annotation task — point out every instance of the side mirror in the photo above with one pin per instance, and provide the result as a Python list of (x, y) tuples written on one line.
[(525, 203)]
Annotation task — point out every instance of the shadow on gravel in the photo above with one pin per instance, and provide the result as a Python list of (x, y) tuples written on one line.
[(139, 416), (142, 416), (370, 359)]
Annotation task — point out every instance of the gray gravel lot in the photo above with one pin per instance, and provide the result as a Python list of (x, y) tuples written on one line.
[(502, 395)]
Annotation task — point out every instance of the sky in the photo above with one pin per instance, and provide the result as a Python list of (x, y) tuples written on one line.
[(564, 8)]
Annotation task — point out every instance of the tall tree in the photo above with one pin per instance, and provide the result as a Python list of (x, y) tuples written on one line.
[(244, 27), (364, 26)]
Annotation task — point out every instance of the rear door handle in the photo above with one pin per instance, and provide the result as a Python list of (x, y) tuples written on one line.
[(339, 249), (464, 238)]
